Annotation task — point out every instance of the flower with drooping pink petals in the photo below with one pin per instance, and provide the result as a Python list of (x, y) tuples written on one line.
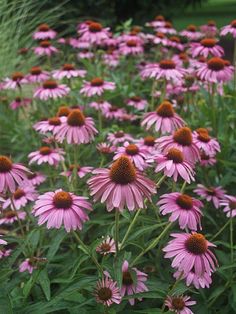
[(114, 112), (214, 194), (52, 156), (107, 292), (49, 125), (105, 148), (191, 253), (107, 246), (5, 253), (45, 49), (80, 171), (24, 194), (44, 32), (111, 58), (164, 118), (166, 28), (159, 21), (28, 265), (51, 89), (215, 70), (36, 178), (183, 140), (174, 165), (131, 47), (183, 208), (229, 29), (85, 54), (133, 281), (191, 33), (119, 137), (137, 102), (175, 42), (94, 33), (206, 47), (229, 204), (207, 160), (97, 86), (179, 304), (68, 71), (76, 128), (2, 242), (205, 143), (100, 105), (20, 102), (16, 80), (148, 143), (10, 216), (160, 39), (37, 75), (198, 281), (210, 29), (62, 208), (136, 153), (121, 186), (11, 174)]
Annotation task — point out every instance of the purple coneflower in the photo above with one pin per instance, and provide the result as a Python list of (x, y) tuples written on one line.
[(205, 143), (198, 281), (96, 86), (214, 194), (107, 292), (37, 75), (107, 246), (51, 89), (137, 102), (206, 47), (119, 137), (49, 125), (68, 71), (20, 102), (44, 32), (94, 33), (80, 171), (36, 178), (229, 204), (52, 156), (16, 80), (10, 216), (28, 265), (45, 49), (229, 29), (179, 304)]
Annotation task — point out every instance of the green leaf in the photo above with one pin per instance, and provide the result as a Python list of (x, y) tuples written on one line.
[(55, 244), (45, 283)]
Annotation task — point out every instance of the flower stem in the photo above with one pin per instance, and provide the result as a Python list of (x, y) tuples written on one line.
[(153, 243), (183, 187), (86, 249), (161, 180), (117, 216), (234, 65), (220, 231), (130, 227), (231, 228), (18, 219)]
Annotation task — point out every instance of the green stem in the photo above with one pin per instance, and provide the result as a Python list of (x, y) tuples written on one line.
[(161, 180), (220, 231), (130, 227), (183, 187), (234, 65), (231, 227), (154, 85), (86, 249), (18, 219), (117, 216), (153, 243)]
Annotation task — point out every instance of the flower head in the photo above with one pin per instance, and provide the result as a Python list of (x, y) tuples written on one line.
[(96, 86), (107, 292), (45, 154), (51, 89), (44, 32), (229, 204), (107, 246), (179, 304), (214, 194)]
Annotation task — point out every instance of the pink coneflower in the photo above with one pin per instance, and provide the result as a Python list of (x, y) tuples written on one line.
[(51, 89), (137, 102), (207, 160), (62, 208), (175, 42), (121, 186), (36, 178), (229, 204), (183, 208), (164, 118), (105, 148), (181, 59), (24, 194), (166, 69), (76, 129), (206, 47), (131, 285), (85, 54), (229, 29), (63, 111), (107, 246), (167, 28), (119, 137), (11, 174), (160, 38), (181, 139), (94, 33), (179, 304), (15, 81), (97, 86), (100, 105), (157, 22), (10, 216), (191, 33), (44, 32), (209, 29), (5, 253), (214, 194), (28, 265), (191, 252), (204, 142), (131, 47), (20, 102), (80, 171), (215, 70), (113, 112), (136, 153), (107, 292), (45, 154), (50, 125), (111, 58), (2, 242), (174, 165), (45, 49), (37, 75), (68, 71), (198, 281), (148, 143)]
